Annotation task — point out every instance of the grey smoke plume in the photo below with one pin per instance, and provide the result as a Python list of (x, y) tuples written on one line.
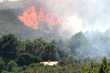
[(80, 15), (77, 15)]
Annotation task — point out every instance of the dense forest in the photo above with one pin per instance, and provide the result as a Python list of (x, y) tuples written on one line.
[(25, 56), (23, 48)]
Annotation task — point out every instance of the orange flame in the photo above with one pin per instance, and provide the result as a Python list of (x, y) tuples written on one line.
[(31, 19), (41, 15), (46, 32)]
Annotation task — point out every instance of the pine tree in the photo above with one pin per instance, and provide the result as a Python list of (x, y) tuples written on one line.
[(104, 66), (91, 69)]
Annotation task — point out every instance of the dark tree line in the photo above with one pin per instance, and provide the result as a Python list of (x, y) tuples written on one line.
[(79, 48), (25, 52)]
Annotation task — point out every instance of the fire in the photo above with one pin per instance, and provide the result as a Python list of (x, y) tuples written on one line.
[(41, 15), (32, 19), (46, 32)]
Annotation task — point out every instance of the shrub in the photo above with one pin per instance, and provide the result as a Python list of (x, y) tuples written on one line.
[(2, 65), (61, 63), (11, 64), (36, 65), (24, 59), (35, 59), (35, 71), (24, 67)]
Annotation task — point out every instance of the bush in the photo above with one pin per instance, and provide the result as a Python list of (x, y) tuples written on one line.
[(61, 63), (35, 71), (27, 59), (24, 67), (36, 65), (4, 72), (2, 65), (11, 64), (24, 59), (35, 59), (20, 69)]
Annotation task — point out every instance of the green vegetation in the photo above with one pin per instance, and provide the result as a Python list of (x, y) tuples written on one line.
[(21, 49), (25, 57)]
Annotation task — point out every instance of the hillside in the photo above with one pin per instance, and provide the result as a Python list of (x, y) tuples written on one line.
[(9, 23)]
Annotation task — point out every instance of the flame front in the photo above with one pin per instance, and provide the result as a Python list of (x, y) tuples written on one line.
[(31, 19)]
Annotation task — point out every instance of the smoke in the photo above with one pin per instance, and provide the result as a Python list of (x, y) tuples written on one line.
[(95, 14), (75, 16), (79, 15)]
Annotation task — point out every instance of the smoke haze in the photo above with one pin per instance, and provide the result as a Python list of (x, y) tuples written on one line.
[(75, 16), (80, 15)]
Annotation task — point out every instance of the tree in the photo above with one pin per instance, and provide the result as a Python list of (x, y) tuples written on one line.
[(29, 46), (38, 46), (61, 63), (8, 47), (11, 64), (91, 69), (24, 59), (63, 46), (35, 59), (71, 59), (2, 65), (27, 59), (49, 52), (104, 66)]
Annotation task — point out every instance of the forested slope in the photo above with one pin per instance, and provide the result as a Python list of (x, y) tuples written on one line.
[(9, 23)]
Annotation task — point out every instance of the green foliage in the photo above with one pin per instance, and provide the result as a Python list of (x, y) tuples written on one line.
[(24, 67), (49, 52), (35, 65), (35, 59), (2, 65), (91, 69), (27, 58), (35, 71), (71, 59), (62, 63), (11, 64), (4, 71), (104, 66), (8, 47), (29, 53), (24, 59), (29, 46), (63, 46), (17, 69)]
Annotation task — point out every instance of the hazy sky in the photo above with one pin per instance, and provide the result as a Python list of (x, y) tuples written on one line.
[(9, 0)]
